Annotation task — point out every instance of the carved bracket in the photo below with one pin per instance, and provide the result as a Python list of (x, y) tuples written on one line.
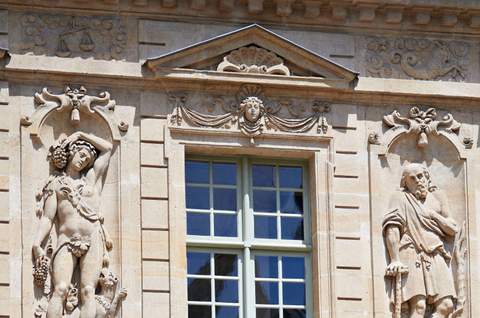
[(251, 115), (76, 101)]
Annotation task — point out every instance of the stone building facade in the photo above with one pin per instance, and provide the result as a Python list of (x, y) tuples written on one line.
[(249, 158)]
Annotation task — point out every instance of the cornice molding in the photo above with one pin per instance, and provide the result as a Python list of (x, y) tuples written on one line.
[(450, 16)]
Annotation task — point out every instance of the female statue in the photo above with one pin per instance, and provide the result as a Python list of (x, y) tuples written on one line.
[(70, 200)]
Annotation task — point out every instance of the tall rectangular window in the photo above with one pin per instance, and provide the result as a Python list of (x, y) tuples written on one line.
[(248, 243)]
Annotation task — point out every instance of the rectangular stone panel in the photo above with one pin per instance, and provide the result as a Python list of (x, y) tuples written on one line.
[(4, 301), (347, 164), (343, 253), (348, 140), (155, 244), (5, 241), (4, 204), (156, 304), (152, 154), (156, 275), (152, 129), (5, 117), (3, 21), (346, 184), (154, 214), (154, 182), (351, 308), (3, 92), (4, 269)]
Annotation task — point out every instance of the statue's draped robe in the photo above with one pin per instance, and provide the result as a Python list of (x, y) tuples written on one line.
[(422, 249)]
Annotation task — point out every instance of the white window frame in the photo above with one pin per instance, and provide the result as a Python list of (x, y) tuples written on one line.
[(245, 244)]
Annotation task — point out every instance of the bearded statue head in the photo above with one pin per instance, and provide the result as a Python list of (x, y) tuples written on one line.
[(416, 180)]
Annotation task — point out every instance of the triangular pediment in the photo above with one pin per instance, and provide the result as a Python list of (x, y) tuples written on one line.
[(252, 49)]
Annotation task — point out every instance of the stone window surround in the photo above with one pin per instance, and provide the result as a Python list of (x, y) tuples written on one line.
[(318, 152), (245, 245)]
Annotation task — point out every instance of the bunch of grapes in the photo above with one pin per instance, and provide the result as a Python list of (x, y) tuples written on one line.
[(59, 157), (40, 271)]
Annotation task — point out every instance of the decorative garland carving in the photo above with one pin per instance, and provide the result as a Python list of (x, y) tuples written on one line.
[(65, 36), (253, 59), (422, 123), (422, 59), (251, 115)]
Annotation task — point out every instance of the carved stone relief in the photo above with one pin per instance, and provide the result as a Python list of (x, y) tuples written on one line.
[(424, 59), (253, 59), (417, 229), (422, 123), (251, 114), (71, 262), (101, 37), (76, 101)]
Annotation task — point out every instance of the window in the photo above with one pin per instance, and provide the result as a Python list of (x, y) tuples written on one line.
[(248, 243)]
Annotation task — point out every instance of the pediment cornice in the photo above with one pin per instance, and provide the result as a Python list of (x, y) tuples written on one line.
[(252, 51)]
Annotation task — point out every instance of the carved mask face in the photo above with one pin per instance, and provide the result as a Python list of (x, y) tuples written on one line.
[(107, 280), (253, 108), (416, 181), (81, 159)]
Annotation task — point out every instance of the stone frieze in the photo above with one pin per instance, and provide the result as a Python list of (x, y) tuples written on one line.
[(100, 37), (417, 58)]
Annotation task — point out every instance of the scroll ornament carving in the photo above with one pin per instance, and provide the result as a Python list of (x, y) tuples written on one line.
[(75, 100), (422, 59), (422, 123), (65, 36), (420, 262), (75, 259), (253, 59), (252, 116)]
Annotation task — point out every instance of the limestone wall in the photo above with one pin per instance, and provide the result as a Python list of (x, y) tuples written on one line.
[(354, 170)]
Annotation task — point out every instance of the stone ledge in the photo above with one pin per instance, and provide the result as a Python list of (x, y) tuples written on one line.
[(451, 16)]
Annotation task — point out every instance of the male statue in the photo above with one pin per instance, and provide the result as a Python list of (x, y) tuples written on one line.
[(415, 229), (71, 201)]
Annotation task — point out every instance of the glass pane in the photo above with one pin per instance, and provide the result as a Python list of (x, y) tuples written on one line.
[(291, 202), (197, 198), (291, 177), (198, 223), (225, 225), (294, 293), (226, 265), (264, 201), (294, 313), (226, 312), (224, 173), (198, 263), (266, 292), (293, 267), (265, 227), (226, 291), (196, 172), (267, 313), (292, 228), (199, 289), (195, 311), (266, 266), (225, 199), (263, 176)]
